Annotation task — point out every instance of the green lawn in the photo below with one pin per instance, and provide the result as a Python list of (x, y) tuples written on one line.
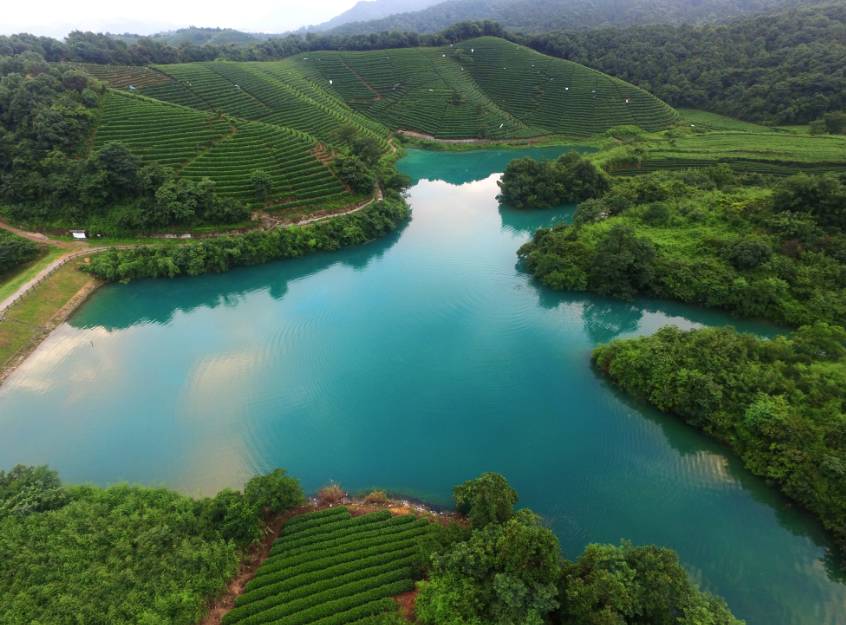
[(27, 319), (10, 283)]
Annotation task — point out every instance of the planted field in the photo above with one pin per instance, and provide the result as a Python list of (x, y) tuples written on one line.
[(484, 87), (767, 151), (331, 568), (203, 144)]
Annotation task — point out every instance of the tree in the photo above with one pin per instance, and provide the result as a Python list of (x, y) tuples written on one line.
[(487, 499), (273, 493), (749, 253), (623, 263), (355, 173), (262, 184), (528, 183), (823, 196), (505, 573), (26, 490), (627, 585)]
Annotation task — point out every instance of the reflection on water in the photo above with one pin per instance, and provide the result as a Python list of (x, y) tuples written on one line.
[(412, 364)]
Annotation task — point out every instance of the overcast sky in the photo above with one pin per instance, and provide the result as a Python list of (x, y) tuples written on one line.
[(56, 18)]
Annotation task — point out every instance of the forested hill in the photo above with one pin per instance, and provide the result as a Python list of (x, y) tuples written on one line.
[(786, 67), (367, 10), (533, 16)]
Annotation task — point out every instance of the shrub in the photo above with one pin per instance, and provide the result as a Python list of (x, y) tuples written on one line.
[(273, 493), (330, 495), (376, 497)]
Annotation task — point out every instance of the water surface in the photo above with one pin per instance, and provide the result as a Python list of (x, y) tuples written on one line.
[(413, 364)]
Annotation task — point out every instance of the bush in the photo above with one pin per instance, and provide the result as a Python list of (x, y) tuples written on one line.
[(330, 495), (15, 251), (378, 497), (487, 499), (749, 253), (528, 183), (273, 493)]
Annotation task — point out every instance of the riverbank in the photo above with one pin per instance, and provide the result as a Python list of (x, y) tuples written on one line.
[(31, 320)]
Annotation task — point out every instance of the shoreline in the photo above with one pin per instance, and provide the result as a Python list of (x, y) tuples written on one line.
[(60, 316)]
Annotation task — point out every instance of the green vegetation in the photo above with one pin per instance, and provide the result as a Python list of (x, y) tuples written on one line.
[(528, 183), (484, 87), (29, 319), (223, 253), (707, 238), (784, 67), (15, 251), (509, 569), (330, 567), (778, 403), (123, 555), (147, 556)]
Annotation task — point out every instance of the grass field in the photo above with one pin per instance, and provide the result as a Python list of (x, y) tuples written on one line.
[(10, 283), (330, 568), (715, 139), (29, 318)]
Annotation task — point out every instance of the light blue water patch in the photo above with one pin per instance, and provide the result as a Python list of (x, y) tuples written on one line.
[(413, 364)]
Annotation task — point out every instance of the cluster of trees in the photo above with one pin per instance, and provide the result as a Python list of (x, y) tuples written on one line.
[(506, 568), (124, 555), (529, 183), (535, 16), (223, 253), (15, 251), (89, 47), (47, 115), (778, 403), (357, 167), (782, 67), (774, 251)]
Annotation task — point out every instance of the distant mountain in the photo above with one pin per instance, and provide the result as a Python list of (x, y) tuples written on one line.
[(199, 36), (546, 15), (368, 10)]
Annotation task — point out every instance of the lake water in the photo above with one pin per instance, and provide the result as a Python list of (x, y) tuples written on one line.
[(413, 364)]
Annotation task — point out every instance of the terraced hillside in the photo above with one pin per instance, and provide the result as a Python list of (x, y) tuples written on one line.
[(228, 150), (484, 87), (330, 568)]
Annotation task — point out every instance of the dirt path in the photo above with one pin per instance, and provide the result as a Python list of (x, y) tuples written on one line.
[(37, 237), (25, 288)]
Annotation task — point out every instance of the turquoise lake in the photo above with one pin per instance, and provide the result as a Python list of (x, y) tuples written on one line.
[(413, 364)]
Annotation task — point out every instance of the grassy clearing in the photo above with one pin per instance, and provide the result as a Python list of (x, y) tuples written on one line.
[(329, 567), (30, 317), (11, 283)]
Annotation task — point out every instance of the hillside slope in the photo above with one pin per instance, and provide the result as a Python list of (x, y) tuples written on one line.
[(547, 15), (485, 87), (481, 88)]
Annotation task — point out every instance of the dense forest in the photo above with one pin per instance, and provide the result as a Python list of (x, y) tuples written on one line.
[(778, 403), (47, 115), (783, 68), (758, 249), (533, 16), (763, 249), (124, 555), (141, 556)]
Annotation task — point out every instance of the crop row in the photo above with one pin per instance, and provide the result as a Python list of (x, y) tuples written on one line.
[(240, 614), (326, 612), (303, 521), (344, 536), (319, 560), (312, 534), (294, 580)]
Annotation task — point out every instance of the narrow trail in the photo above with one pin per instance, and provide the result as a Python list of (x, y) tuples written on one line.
[(45, 273), (37, 237)]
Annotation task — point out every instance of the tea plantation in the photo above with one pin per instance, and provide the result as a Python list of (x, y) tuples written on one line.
[(330, 568)]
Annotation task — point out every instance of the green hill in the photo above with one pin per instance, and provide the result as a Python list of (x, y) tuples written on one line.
[(206, 144), (482, 88)]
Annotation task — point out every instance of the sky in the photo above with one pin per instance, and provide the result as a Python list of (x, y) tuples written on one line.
[(56, 18)]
